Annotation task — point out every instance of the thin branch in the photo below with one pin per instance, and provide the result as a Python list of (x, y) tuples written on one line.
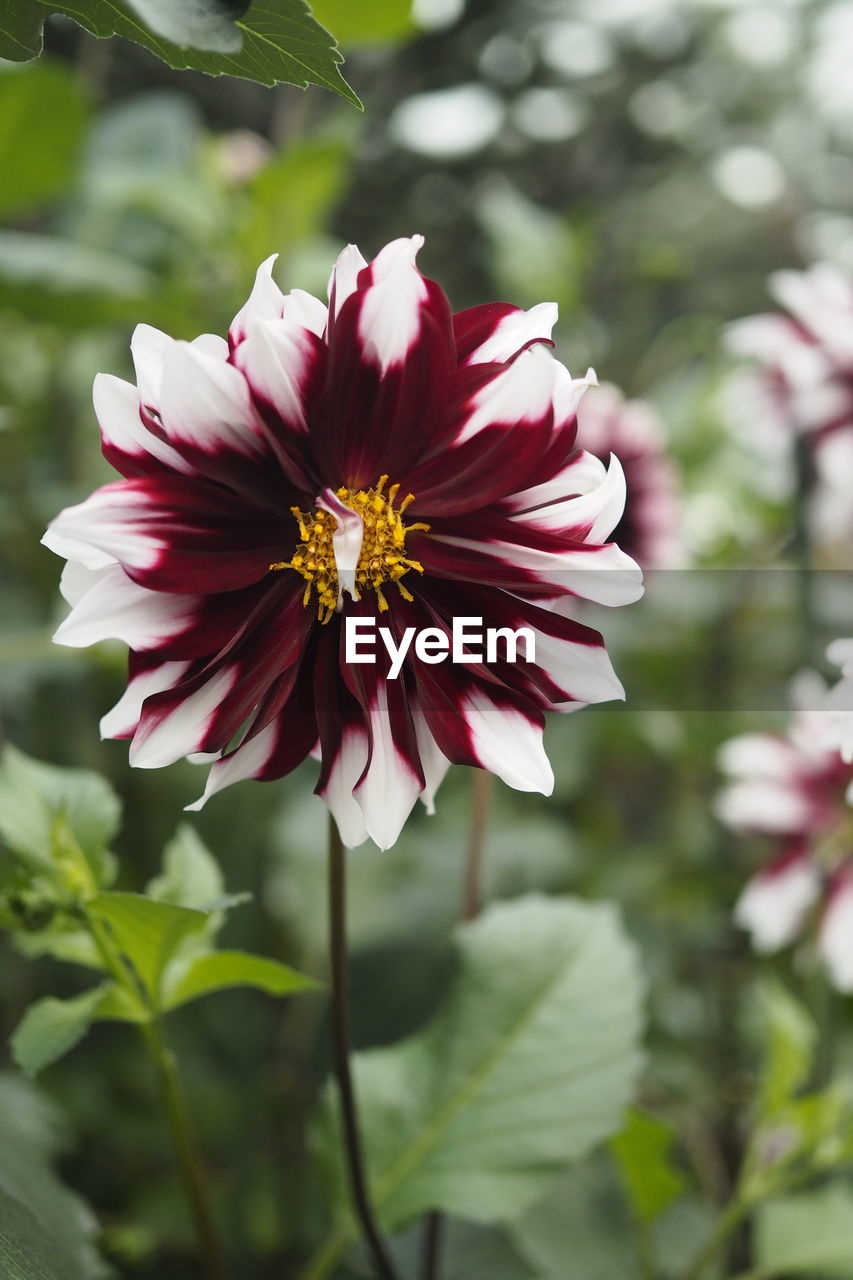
[(341, 1050)]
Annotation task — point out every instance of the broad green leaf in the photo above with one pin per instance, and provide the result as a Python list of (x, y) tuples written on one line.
[(810, 1234), (43, 113), (528, 1064), (146, 932), (642, 1151), (202, 24), (46, 812), (368, 22), (281, 41), (191, 876), (789, 1038), (583, 1217), (222, 969), (46, 1233), (51, 1027)]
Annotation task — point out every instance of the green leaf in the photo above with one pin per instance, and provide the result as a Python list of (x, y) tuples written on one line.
[(223, 969), (148, 933), (643, 1154), (790, 1038), (368, 22), (46, 813), (46, 1233), (43, 114), (583, 1217), (809, 1234), (51, 1027), (191, 876), (527, 1066), (281, 41)]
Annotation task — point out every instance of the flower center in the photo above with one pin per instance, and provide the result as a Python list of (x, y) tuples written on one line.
[(376, 535)]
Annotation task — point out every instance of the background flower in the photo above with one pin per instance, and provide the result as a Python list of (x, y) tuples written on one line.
[(650, 528)]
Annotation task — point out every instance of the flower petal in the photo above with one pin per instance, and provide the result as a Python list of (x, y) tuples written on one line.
[(144, 681), (498, 331), (171, 534), (774, 904)]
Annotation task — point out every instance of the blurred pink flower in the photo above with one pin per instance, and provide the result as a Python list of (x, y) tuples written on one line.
[(650, 528), (790, 788), (801, 384)]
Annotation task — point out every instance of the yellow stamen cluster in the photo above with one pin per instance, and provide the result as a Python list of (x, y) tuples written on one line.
[(382, 558)]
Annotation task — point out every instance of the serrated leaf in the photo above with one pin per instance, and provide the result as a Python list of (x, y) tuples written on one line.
[(223, 969), (43, 114), (281, 40), (643, 1154), (46, 1232), (51, 1027), (807, 1234), (148, 933), (41, 804), (527, 1066)]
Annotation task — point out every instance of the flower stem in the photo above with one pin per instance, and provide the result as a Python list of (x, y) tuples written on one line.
[(481, 792), (175, 1106), (341, 1052)]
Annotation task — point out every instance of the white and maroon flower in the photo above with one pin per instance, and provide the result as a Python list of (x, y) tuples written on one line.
[(800, 384), (380, 458), (835, 931), (803, 382), (788, 788), (774, 904), (783, 785), (649, 530)]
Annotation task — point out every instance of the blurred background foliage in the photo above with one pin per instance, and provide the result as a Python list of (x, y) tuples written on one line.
[(646, 163)]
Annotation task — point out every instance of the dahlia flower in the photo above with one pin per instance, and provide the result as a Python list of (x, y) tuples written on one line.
[(649, 528), (805, 351), (790, 788), (377, 459), (801, 384)]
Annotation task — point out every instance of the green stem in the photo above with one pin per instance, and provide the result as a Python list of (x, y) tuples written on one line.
[(472, 892), (724, 1228), (341, 1051), (174, 1105)]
